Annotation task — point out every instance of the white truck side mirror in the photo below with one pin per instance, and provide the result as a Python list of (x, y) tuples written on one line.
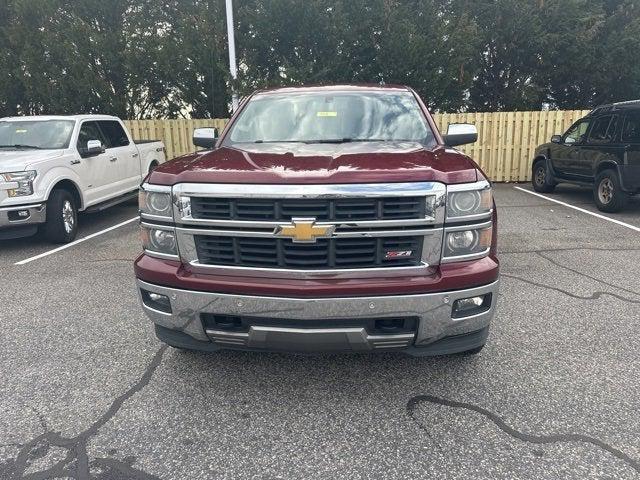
[(94, 147)]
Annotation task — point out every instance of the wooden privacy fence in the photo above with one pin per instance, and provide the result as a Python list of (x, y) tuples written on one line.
[(505, 147), (176, 134)]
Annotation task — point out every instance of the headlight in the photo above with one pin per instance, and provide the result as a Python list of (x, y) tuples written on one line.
[(158, 240), (24, 181), (469, 201), (155, 203), (473, 241)]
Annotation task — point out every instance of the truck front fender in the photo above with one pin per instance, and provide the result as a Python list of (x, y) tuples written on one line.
[(55, 177)]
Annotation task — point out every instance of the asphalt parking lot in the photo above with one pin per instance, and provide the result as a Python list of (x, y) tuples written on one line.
[(86, 391)]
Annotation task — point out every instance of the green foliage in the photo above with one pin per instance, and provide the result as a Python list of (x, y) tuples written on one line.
[(511, 34), (146, 59)]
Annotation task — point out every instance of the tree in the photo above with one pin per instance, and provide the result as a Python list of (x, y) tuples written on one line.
[(571, 67), (129, 58), (10, 95), (511, 32), (288, 42), (149, 59)]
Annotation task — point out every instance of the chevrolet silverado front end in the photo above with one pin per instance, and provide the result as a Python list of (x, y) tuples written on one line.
[(325, 219)]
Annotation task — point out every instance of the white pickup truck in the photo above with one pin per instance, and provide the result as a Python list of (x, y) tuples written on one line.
[(52, 167)]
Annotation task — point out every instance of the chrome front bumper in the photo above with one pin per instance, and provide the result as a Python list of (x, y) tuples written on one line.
[(36, 213), (432, 310)]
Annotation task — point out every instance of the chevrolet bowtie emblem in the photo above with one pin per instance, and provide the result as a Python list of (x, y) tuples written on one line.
[(304, 230)]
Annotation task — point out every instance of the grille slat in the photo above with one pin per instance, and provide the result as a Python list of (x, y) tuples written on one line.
[(324, 254), (338, 209)]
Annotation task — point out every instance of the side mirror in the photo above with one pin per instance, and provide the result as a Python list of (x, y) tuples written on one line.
[(556, 139), (94, 147), (460, 134), (205, 137)]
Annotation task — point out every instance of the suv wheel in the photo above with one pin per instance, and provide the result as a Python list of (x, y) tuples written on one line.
[(608, 193), (62, 217), (542, 180)]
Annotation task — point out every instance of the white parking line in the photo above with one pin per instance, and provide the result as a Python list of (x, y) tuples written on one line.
[(76, 242), (593, 214)]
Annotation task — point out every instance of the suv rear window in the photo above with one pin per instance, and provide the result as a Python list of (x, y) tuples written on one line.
[(604, 129), (631, 128)]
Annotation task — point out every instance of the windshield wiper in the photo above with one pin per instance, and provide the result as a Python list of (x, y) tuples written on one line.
[(18, 145), (346, 140)]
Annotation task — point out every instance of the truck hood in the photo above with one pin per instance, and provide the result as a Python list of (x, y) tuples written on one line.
[(18, 160), (299, 163)]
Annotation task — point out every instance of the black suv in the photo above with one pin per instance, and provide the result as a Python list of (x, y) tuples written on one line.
[(601, 150)]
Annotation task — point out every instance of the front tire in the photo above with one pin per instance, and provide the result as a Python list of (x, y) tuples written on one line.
[(608, 193), (62, 217), (542, 179)]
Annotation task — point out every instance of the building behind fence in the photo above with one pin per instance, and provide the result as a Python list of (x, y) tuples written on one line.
[(506, 140)]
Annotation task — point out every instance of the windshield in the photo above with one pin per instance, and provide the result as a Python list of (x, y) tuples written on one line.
[(44, 134), (331, 117)]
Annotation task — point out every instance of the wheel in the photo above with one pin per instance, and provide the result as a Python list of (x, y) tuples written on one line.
[(153, 166), (608, 193), (62, 217), (542, 179)]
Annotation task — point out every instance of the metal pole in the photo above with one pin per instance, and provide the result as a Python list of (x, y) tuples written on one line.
[(232, 52)]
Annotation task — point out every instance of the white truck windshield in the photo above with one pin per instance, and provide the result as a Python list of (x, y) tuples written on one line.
[(37, 134)]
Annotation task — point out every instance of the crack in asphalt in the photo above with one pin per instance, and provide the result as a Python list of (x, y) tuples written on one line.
[(578, 272), (413, 403), (593, 296), (76, 462)]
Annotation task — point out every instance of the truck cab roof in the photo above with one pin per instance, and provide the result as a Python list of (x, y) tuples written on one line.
[(365, 87), (60, 117)]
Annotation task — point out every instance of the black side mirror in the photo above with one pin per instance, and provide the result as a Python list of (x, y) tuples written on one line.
[(556, 139), (205, 137)]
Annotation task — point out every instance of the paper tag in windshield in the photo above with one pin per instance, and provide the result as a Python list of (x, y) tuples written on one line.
[(327, 114), (21, 131)]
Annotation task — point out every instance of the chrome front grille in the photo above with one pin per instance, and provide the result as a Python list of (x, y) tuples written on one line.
[(363, 227), (331, 210)]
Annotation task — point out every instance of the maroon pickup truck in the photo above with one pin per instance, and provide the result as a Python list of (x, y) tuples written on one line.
[(322, 219)]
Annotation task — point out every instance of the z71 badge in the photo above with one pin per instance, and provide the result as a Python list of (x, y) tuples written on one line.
[(398, 254)]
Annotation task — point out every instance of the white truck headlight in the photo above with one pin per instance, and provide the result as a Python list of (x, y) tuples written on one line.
[(469, 201), (23, 182), (159, 240), (155, 202)]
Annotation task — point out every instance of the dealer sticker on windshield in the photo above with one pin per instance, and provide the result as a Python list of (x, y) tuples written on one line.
[(327, 114)]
